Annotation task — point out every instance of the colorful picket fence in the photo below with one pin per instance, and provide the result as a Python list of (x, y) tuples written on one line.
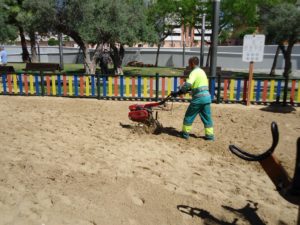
[(263, 90), (155, 87)]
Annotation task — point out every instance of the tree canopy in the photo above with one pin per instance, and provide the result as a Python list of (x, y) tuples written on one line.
[(281, 23), (7, 31), (95, 22)]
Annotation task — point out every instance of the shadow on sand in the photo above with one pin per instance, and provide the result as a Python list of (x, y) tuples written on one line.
[(175, 133), (247, 213), (278, 108), (162, 130)]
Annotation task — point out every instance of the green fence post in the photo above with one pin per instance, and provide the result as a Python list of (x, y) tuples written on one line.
[(156, 86), (98, 85), (42, 83), (219, 89)]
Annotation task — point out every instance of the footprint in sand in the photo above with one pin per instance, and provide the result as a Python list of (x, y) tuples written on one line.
[(133, 222), (136, 199)]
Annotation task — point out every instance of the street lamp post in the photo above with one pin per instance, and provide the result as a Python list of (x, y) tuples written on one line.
[(183, 40), (61, 56), (60, 6), (214, 39), (202, 41), (183, 54), (37, 38)]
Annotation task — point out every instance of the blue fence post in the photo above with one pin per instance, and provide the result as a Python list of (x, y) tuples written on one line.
[(104, 85), (59, 85), (20, 84), (139, 86), (76, 85), (258, 90), (175, 84), (238, 90), (212, 88), (93, 84), (278, 90), (4, 83), (36, 78)]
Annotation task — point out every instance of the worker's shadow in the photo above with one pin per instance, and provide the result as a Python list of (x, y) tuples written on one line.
[(247, 213), (173, 132)]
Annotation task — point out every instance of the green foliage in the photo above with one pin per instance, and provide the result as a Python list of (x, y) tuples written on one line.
[(53, 42), (33, 17), (239, 13), (116, 21), (160, 15), (190, 11), (100, 21), (224, 36), (7, 31), (282, 23), (243, 16)]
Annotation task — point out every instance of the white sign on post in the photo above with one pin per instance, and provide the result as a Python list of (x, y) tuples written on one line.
[(253, 48)]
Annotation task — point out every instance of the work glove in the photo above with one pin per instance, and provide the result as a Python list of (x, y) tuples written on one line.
[(180, 92), (174, 94)]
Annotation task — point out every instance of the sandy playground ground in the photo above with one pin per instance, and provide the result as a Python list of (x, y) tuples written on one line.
[(68, 161)]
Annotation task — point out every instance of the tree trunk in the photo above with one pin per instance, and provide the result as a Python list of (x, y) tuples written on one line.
[(89, 67), (96, 56), (34, 56), (288, 61), (122, 54), (25, 53), (157, 54), (272, 72), (287, 67), (117, 55)]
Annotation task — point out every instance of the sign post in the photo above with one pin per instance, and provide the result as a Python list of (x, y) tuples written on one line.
[(251, 68), (253, 51)]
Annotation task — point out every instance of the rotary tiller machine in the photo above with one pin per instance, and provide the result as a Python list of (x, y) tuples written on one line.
[(143, 114)]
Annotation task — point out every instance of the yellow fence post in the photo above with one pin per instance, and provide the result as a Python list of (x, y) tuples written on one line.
[(70, 86), (127, 81), (31, 84), (145, 87), (271, 97), (15, 84), (231, 95), (53, 85), (87, 86)]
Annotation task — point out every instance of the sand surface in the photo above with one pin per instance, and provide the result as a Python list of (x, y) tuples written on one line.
[(68, 161)]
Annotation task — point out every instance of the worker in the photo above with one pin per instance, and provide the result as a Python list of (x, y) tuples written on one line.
[(197, 83)]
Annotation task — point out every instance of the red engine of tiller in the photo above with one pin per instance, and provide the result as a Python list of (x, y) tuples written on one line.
[(143, 113)]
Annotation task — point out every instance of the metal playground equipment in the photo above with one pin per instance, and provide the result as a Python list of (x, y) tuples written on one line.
[(288, 188)]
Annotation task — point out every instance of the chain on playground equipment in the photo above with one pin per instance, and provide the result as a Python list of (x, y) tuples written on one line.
[(288, 188)]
